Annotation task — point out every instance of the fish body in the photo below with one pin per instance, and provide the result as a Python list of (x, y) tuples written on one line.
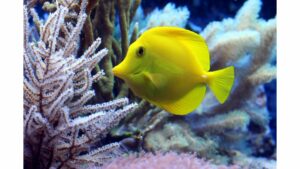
[(169, 67)]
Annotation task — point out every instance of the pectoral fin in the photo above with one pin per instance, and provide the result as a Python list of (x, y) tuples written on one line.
[(157, 80)]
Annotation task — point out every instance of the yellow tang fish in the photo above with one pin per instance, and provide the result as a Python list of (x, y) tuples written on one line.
[(169, 67)]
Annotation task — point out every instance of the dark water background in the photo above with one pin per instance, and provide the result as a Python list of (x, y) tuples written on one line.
[(204, 11)]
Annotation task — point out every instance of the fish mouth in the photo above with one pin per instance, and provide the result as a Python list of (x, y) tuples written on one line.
[(121, 74), (116, 72)]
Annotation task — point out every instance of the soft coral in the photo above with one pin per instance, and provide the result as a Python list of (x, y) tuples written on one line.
[(170, 160)]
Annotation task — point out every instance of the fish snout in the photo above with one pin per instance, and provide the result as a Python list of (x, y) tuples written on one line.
[(120, 71), (116, 71)]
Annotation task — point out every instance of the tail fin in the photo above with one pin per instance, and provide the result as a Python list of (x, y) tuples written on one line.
[(220, 82)]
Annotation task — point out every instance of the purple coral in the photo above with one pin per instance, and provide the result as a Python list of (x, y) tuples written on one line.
[(170, 160)]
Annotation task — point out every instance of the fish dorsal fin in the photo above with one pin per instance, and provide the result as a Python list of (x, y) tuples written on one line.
[(187, 103), (191, 40)]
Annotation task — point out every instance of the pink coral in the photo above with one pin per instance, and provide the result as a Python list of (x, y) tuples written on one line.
[(169, 160)]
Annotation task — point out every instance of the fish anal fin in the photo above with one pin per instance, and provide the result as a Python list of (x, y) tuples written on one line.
[(187, 103)]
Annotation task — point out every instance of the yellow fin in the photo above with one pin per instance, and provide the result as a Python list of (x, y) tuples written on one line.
[(220, 82), (191, 40), (187, 103)]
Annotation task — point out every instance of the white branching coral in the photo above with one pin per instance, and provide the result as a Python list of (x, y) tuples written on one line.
[(249, 43), (168, 16), (60, 130)]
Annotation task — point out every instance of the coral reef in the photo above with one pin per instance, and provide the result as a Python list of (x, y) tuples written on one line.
[(241, 124), (168, 16), (64, 124), (168, 160), (60, 129), (254, 162), (249, 43), (178, 136)]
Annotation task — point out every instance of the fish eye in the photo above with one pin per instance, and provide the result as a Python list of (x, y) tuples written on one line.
[(141, 51)]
